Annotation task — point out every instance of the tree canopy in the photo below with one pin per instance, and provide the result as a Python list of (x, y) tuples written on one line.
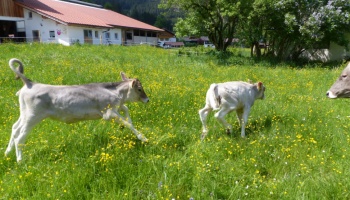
[(216, 19), (289, 27)]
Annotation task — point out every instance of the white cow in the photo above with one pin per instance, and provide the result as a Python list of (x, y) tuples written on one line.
[(71, 104), (230, 96)]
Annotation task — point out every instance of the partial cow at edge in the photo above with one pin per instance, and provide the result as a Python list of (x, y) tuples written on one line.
[(71, 104), (341, 87), (231, 96)]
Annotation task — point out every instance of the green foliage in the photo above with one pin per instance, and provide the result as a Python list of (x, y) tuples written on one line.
[(216, 19), (297, 145), (291, 27), (146, 11), (288, 27)]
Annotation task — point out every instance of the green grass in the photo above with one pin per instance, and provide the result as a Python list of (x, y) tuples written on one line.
[(297, 145)]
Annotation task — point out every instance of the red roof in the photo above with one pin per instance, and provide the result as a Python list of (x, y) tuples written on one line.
[(77, 14)]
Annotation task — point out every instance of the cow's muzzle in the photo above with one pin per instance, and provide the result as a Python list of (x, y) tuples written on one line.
[(145, 100), (331, 95)]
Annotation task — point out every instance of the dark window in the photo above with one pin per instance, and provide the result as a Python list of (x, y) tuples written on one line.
[(52, 34), (88, 36), (142, 33), (129, 36), (107, 35), (35, 35)]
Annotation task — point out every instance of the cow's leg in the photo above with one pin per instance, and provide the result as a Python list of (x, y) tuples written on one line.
[(126, 113), (239, 116), (244, 120), (203, 114), (25, 126), (220, 116), (113, 114), (15, 131)]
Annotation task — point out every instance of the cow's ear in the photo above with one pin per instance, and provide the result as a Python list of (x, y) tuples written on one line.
[(259, 85), (133, 83), (124, 78)]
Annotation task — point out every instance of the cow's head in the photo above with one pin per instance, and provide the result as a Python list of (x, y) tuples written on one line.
[(261, 90), (341, 87), (136, 92)]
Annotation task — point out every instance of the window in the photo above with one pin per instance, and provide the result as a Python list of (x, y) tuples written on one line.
[(116, 36), (52, 34), (35, 36), (88, 33), (20, 26), (149, 34), (88, 36), (108, 35), (129, 35), (96, 34), (136, 33), (142, 33), (30, 15)]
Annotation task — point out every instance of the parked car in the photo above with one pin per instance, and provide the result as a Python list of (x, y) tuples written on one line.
[(208, 44)]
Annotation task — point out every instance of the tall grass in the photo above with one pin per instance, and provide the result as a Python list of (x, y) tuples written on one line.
[(297, 145)]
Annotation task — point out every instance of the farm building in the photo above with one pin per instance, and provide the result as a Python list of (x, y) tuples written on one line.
[(68, 22), (166, 36), (328, 53)]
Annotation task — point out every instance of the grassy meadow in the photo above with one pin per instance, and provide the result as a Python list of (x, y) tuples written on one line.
[(297, 145)]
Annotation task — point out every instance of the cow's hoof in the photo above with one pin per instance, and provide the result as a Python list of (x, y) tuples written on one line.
[(142, 138)]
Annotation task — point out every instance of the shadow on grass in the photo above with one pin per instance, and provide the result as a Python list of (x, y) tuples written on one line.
[(258, 126)]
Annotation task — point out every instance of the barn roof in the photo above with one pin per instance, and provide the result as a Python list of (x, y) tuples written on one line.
[(76, 14)]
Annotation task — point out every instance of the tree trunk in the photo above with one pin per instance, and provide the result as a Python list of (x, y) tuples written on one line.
[(255, 50)]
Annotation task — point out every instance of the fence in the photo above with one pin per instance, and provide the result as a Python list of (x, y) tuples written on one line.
[(71, 41)]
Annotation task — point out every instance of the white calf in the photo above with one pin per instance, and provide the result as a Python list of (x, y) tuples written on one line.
[(230, 96), (71, 104)]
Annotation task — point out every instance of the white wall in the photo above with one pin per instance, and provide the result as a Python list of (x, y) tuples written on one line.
[(173, 39), (36, 22), (66, 35), (145, 39), (335, 52)]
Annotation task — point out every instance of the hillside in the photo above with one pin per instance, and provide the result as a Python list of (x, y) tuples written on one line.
[(125, 6), (144, 10)]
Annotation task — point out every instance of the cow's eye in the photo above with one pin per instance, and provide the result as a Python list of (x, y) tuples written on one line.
[(344, 76)]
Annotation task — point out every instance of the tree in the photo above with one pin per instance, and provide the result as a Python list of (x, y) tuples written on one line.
[(292, 26), (163, 22), (215, 18), (289, 27), (254, 17), (108, 6)]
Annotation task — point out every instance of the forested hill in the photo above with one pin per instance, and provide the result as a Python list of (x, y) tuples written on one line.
[(144, 10), (125, 6)]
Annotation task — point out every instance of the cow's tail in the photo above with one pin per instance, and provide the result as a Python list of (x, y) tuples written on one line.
[(19, 71), (214, 97)]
